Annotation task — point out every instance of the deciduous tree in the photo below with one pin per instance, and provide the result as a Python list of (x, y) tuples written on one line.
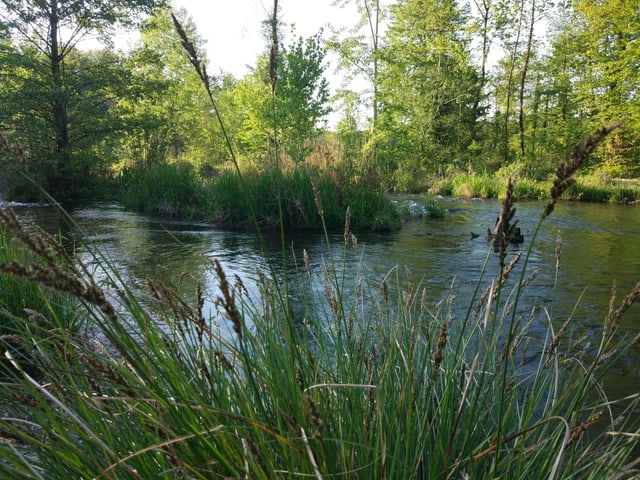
[(46, 33)]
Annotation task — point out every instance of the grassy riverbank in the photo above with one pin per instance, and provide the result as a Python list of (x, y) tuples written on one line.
[(586, 188), (360, 380), (269, 199)]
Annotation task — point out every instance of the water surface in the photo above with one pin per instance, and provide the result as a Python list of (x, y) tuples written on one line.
[(600, 248)]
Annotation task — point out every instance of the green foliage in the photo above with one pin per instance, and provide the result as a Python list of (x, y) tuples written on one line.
[(27, 309), (19, 297), (590, 189), (427, 85), (475, 186), (174, 191), (302, 94), (59, 101), (165, 190), (166, 110), (299, 194), (434, 207)]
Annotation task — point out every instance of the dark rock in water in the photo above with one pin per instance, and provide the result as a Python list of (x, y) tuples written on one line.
[(474, 235), (516, 236)]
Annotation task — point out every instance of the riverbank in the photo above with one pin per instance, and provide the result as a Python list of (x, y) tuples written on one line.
[(585, 189), (273, 199), (364, 376)]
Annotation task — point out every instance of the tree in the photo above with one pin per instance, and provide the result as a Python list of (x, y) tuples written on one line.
[(95, 81), (606, 40), (427, 85), (46, 33), (359, 52), (170, 115), (358, 49), (294, 109), (302, 95)]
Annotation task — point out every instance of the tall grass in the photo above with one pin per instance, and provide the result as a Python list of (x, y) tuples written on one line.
[(174, 191), (166, 190), (361, 378), (27, 310), (587, 188)]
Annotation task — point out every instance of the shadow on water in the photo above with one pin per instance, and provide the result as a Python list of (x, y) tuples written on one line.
[(600, 247)]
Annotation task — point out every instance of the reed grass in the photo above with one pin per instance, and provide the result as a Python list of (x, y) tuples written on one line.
[(586, 188), (361, 378), (434, 207), (167, 190)]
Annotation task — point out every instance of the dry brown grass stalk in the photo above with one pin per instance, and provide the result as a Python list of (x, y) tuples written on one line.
[(438, 354), (565, 171), (13, 151), (558, 249), (316, 196), (228, 300), (273, 51), (347, 227), (199, 66), (315, 417), (504, 228), (58, 271), (555, 342), (612, 321)]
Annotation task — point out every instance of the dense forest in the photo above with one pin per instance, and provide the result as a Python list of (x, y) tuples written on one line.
[(487, 86)]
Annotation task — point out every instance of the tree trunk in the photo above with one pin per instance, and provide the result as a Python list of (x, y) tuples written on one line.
[(59, 109), (484, 9), (510, 88), (523, 79)]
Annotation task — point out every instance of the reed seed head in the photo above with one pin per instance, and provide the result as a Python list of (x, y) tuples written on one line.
[(228, 300), (565, 171)]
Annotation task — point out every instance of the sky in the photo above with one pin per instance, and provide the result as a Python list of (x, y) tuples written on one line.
[(233, 28), (233, 32)]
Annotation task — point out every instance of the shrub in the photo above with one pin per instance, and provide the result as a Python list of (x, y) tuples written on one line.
[(434, 208)]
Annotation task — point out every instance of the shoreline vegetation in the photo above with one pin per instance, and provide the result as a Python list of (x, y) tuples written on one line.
[(370, 379), (322, 375), (319, 374), (174, 191)]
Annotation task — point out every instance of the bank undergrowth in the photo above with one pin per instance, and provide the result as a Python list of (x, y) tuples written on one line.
[(587, 188), (174, 191), (368, 379)]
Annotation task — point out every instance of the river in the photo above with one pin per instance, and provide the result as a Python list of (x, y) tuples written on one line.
[(600, 247)]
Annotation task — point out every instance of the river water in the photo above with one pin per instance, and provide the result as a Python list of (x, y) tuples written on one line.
[(600, 247)]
